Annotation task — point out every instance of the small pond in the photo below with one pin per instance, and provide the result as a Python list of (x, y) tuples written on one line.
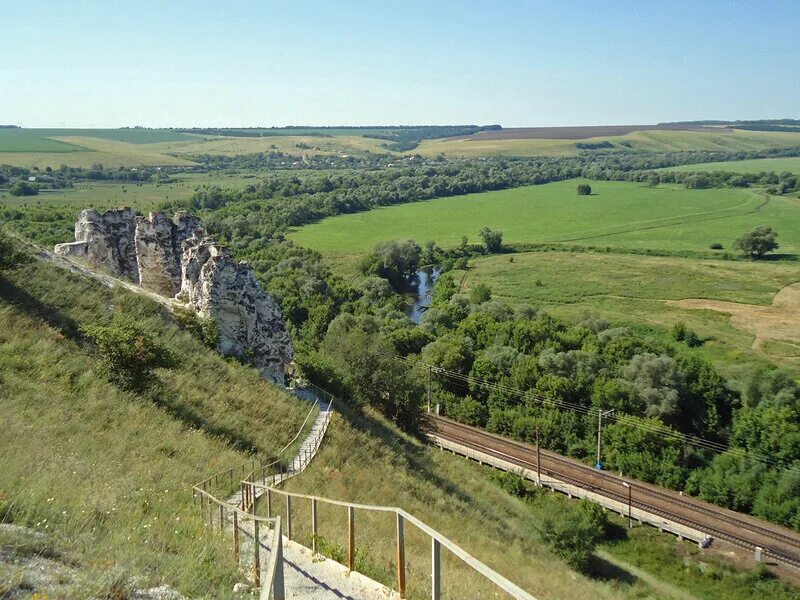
[(421, 289)]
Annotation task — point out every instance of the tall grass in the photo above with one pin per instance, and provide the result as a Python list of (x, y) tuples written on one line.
[(105, 473)]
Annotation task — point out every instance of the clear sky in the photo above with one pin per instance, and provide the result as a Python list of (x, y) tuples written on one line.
[(81, 63)]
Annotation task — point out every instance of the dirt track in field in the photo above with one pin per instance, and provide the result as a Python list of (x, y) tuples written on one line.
[(779, 322), (579, 133)]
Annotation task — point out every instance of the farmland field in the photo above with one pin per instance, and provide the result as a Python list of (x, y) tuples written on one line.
[(25, 140), (757, 165), (618, 214), (650, 140)]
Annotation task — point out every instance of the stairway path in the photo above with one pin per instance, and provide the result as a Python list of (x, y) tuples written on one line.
[(307, 575)]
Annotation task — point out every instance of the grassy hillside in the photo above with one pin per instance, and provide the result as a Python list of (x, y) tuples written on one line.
[(106, 474), (652, 141)]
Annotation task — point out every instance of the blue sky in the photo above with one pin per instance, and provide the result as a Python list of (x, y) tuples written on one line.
[(535, 63)]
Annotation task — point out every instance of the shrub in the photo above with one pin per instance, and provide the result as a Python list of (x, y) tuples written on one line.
[(8, 256), (204, 329), (480, 293), (512, 483), (716, 246), (492, 240), (130, 353), (573, 534), (584, 189)]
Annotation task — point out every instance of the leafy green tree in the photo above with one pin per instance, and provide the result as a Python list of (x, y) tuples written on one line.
[(480, 293), (757, 242), (23, 188), (658, 383), (130, 353), (779, 501), (8, 255), (492, 240), (584, 189), (731, 480), (397, 261)]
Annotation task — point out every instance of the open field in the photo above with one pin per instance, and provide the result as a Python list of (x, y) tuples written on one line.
[(581, 133), (757, 165), (618, 214), (660, 291), (651, 140)]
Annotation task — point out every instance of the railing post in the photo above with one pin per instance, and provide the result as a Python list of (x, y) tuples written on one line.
[(236, 537), (222, 521), (314, 525), (210, 515), (277, 583), (288, 517), (269, 503), (256, 555), (351, 538), (436, 570), (401, 558)]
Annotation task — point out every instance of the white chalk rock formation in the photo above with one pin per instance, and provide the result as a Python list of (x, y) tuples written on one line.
[(250, 322), (105, 241), (159, 241), (173, 256)]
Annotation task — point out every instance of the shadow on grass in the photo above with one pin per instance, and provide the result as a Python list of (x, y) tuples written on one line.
[(34, 307), (600, 569)]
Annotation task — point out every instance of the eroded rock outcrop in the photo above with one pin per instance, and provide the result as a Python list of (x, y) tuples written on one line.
[(250, 323), (159, 241), (105, 241), (174, 256)]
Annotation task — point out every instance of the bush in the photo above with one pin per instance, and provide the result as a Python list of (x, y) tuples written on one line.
[(204, 329), (480, 293), (492, 240), (130, 353), (512, 483), (8, 256), (584, 189), (716, 246), (573, 534)]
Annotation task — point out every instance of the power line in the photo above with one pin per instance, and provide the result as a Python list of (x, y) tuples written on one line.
[(621, 418)]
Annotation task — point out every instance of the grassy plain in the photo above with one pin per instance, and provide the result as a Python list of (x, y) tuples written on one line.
[(104, 473), (756, 165), (655, 141), (618, 214), (635, 288)]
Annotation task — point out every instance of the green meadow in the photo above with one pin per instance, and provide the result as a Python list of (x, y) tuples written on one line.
[(756, 165), (618, 214)]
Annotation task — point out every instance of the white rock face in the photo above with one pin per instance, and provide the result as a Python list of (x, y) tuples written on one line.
[(105, 241), (158, 250), (173, 256), (250, 322)]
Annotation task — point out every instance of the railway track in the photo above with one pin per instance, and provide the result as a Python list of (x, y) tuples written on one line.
[(777, 543)]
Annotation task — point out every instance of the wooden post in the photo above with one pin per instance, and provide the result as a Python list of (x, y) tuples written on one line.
[(210, 515), (314, 525), (222, 520), (401, 558), (351, 538), (236, 537), (256, 555), (269, 503), (436, 570), (277, 585), (288, 517)]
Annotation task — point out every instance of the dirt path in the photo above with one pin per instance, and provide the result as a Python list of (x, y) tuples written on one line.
[(778, 322)]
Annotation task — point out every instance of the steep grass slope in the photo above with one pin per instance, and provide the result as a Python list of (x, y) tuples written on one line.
[(107, 474)]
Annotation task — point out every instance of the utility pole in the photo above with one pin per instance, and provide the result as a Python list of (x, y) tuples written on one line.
[(630, 519), (538, 459), (430, 381), (600, 415)]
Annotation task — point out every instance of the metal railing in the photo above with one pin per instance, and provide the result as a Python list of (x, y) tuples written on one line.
[(438, 541)]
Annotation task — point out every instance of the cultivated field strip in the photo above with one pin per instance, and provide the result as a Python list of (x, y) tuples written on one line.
[(778, 543)]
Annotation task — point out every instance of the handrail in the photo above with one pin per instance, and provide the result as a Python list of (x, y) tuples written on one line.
[(437, 538), (242, 466)]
